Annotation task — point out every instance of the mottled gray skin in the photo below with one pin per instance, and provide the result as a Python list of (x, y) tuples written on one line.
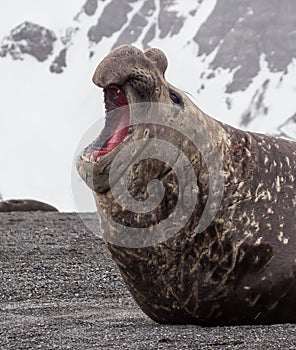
[(241, 269)]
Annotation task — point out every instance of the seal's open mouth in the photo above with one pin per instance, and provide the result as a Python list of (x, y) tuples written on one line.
[(116, 126)]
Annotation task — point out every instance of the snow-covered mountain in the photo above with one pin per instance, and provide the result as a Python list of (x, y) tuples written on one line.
[(236, 58)]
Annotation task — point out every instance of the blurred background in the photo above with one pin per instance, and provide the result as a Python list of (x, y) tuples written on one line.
[(237, 59)]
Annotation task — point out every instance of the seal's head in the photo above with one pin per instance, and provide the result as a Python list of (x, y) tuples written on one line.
[(135, 91), (128, 76)]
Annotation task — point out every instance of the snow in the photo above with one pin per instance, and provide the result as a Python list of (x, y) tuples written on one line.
[(43, 118)]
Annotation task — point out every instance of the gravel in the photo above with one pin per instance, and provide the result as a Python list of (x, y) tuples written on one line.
[(59, 289)]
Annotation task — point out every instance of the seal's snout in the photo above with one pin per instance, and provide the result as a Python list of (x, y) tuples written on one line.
[(115, 69)]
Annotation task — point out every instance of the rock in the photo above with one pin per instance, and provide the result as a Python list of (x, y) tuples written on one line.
[(59, 62), (90, 7), (28, 38), (24, 205), (260, 26), (113, 18)]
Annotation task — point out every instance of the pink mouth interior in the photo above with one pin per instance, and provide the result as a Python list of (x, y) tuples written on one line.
[(114, 98)]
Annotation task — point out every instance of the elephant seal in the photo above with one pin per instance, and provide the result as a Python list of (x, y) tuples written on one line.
[(12, 205), (241, 268)]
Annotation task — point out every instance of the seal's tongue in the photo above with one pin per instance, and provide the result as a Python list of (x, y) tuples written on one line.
[(116, 101), (117, 135)]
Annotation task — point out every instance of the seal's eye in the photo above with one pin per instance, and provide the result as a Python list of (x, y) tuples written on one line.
[(175, 97)]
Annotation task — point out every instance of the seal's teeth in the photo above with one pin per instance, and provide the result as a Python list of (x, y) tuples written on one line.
[(83, 157), (92, 158)]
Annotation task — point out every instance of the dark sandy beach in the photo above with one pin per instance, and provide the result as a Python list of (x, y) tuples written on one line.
[(60, 290)]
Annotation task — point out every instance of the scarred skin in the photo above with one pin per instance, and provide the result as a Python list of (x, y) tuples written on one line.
[(241, 268)]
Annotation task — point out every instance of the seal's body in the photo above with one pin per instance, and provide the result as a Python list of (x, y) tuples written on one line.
[(241, 268)]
